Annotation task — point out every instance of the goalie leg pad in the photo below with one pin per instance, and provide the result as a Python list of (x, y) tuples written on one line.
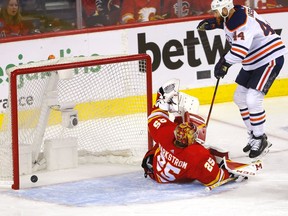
[(219, 154), (242, 169)]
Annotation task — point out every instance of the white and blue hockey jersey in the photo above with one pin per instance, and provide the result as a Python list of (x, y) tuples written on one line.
[(253, 42)]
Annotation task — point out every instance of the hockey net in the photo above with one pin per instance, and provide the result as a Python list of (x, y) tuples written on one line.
[(98, 104)]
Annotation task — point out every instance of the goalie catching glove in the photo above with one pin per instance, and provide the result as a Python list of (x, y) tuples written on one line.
[(147, 163), (167, 96)]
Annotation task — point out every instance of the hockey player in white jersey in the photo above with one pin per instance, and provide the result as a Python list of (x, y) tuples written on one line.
[(261, 51)]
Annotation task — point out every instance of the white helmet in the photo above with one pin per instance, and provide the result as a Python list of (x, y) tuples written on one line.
[(220, 4)]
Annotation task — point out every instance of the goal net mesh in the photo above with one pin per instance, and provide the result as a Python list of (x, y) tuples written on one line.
[(105, 98)]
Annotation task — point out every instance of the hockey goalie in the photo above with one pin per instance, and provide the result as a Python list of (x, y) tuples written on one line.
[(178, 154)]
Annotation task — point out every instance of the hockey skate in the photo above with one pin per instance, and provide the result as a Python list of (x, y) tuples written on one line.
[(247, 148), (259, 147), (251, 142)]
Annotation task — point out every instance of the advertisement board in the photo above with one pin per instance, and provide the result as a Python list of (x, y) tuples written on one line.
[(177, 50)]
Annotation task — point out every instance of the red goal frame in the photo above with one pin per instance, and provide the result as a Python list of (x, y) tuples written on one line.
[(14, 101)]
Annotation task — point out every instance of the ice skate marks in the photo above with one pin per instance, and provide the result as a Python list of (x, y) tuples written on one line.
[(124, 189)]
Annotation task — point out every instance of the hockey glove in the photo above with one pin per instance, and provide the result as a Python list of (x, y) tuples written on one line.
[(221, 68), (147, 162), (167, 96), (209, 24)]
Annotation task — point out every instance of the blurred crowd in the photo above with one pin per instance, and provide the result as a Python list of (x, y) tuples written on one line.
[(23, 17)]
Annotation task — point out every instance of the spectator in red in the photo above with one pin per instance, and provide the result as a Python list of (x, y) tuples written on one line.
[(241, 2), (260, 4), (257, 5), (271, 4), (101, 12), (143, 10), (200, 7), (194, 7), (283, 3), (189, 8), (11, 22)]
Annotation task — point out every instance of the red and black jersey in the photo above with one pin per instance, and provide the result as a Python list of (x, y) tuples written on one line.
[(174, 164), (143, 10)]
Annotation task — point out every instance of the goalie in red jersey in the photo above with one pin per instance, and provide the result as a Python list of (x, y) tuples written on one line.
[(178, 154)]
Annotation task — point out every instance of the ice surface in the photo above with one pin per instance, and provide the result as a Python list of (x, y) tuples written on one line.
[(123, 190)]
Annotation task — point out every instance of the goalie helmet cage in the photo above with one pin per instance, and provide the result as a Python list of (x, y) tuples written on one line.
[(102, 101)]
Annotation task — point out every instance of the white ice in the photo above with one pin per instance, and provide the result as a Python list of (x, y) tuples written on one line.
[(122, 189)]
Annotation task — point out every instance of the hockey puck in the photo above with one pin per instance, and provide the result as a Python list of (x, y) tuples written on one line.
[(34, 178)]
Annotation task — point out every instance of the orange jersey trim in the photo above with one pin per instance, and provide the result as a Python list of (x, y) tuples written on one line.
[(263, 52)]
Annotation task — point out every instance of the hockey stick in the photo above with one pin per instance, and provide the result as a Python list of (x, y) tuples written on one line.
[(209, 188), (212, 102)]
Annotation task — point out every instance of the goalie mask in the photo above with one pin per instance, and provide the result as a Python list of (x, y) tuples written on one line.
[(185, 134)]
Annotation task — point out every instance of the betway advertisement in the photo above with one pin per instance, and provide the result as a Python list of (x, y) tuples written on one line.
[(177, 50)]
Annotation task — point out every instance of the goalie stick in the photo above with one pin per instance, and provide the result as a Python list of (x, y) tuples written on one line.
[(209, 188)]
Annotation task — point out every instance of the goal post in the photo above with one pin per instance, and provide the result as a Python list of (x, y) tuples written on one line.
[(93, 106)]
